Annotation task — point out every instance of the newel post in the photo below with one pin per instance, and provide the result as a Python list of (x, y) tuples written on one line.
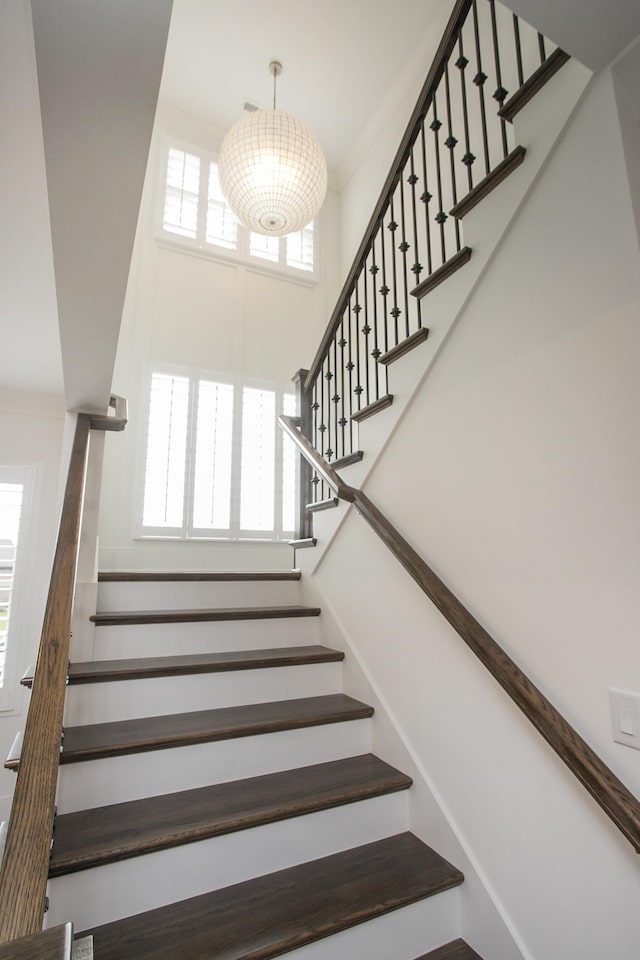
[(304, 527)]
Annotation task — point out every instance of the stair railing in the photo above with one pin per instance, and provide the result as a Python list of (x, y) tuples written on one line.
[(606, 789), (457, 145), (25, 864)]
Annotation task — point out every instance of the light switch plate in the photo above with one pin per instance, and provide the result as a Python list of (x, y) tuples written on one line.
[(625, 717)]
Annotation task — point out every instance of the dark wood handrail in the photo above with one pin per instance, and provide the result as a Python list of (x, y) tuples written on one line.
[(456, 20), (606, 789), (25, 864)]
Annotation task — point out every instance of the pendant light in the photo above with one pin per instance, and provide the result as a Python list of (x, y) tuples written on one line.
[(272, 170)]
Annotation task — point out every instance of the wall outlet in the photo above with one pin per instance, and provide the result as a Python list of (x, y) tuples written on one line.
[(625, 717)]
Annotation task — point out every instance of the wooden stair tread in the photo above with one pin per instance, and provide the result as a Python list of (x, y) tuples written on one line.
[(161, 576), (348, 460), (489, 183), (53, 944), (443, 273), (456, 950), (318, 505), (121, 618), (94, 741), (89, 838), (273, 914), (404, 347), (98, 671), (372, 408), (533, 85)]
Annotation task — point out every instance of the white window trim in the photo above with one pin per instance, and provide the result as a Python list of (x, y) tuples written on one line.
[(199, 246), (26, 475), (187, 532)]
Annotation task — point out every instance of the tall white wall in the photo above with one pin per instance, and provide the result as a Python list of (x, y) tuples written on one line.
[(31, 427), (209, 313), (515, 473)]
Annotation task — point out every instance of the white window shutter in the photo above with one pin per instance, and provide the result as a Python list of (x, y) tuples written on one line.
[(182, 193), (164, 484)]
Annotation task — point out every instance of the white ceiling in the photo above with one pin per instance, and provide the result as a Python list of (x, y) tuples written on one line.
[(340, 58)]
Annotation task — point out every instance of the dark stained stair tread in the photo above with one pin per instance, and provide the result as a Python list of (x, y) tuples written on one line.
[(318, 505), (372, 408), (270, 915), (199, 616), (94, 741), (158, 576), (404, 347), (89, 838), (53, 944), (456, 950), (489, 183), (438, 276), (97, 671), (533, 85)]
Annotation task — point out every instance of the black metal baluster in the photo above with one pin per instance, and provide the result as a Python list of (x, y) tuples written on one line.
[(358, 389), (366, 330), (426, 197), (342, 422), (384, 289), (329, 378), (516, 34), (541, 48), (376, 352), (350, 371), (392, 226), (335, 396), (468, 158), (441, 216), (500, 93), (450, 143), (416, 268), (315, 479), (323, 427), (480, 80), (403, 247)]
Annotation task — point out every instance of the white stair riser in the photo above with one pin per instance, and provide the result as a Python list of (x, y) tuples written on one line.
[(187, 595), (127, 699), (174, 639), (99, 782), (116, 890), (402, 934)]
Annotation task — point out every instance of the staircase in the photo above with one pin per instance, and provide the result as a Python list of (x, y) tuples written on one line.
[(218, 797)]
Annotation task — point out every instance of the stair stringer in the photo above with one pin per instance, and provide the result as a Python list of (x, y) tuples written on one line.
[(483, 919), (537, 128)]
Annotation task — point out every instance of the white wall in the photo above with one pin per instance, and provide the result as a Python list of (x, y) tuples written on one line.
[(31, 427), (368, 160), (214, 314), (31, 358), (515, 473)]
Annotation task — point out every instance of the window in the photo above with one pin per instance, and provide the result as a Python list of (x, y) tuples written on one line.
[(195, 211), (217, 464), (16, 484)]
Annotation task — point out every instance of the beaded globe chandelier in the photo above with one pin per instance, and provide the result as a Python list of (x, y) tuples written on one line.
[(272, 170)]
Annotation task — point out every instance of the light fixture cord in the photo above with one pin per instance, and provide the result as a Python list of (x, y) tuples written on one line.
[(275, 77)]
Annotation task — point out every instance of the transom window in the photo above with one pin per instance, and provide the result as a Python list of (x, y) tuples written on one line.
[(195, 210), (217, 465)]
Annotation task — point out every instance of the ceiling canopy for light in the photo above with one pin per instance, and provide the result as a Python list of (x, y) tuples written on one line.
[(272, 170)]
